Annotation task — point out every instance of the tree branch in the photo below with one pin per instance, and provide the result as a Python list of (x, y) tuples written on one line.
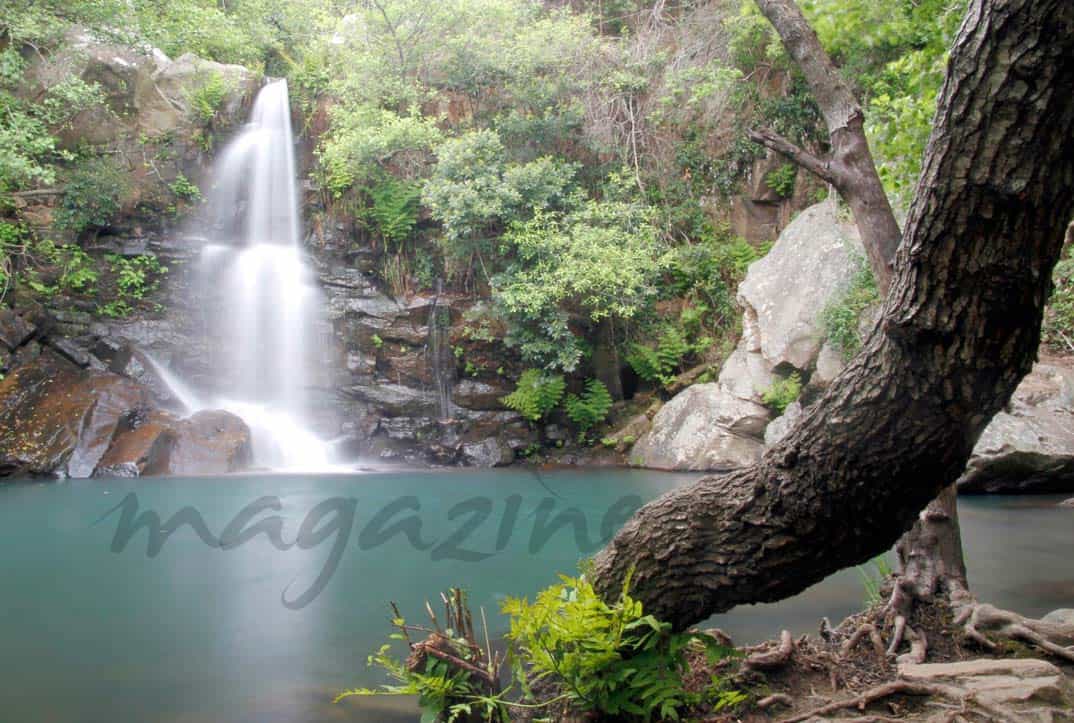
[(820, 167)]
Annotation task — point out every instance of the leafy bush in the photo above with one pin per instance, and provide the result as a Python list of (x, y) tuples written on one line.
[(590, 408), (1059, 314), (92, 195), (607, 658), (782, 179), (536, 395), (782, 392), (841, 317)]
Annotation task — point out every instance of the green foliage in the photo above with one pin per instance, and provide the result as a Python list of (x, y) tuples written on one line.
[(873, 577), (842, 316), (207, 97), (183, 188), (536, 394), (782, 392), (610, 659), (395, 210), (1059, 314), (92, 195), (782, 180), (661, 364), (590, 408), (445, 692)]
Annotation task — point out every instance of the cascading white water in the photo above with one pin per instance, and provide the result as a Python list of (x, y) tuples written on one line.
[(256, 288)]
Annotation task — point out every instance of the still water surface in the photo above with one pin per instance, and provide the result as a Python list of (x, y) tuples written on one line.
[(241, 630)]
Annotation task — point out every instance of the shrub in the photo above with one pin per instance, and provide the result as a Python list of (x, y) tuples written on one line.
[(782, 179), (207, 97), (782, 392), (536, 395), (841, 317), (607, 658), (590, 408), (92, 195)]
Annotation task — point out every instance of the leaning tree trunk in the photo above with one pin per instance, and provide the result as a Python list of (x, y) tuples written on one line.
[(959, 329), (932, 548)]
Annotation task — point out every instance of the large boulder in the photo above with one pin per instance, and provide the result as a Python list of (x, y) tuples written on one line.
[(722, 425), (785, 292), (705, 427), (58, 419), (1029, 447)]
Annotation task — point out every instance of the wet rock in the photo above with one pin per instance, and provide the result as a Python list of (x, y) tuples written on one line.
[(1029, 447), (490, 452), (57, 419), (396, 400), (784, 293), (209, 442), (483, 396), (705, 427), (15, 329)]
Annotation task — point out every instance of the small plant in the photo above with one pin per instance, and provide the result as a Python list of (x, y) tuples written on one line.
[(782, 392), (453, 676), (782, 179), (842, 316), (589, 409), (873, 577), (612, 659), (536, 395), (208, 97), (183, 188)]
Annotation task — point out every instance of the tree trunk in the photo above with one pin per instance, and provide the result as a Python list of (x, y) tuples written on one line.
[(849, 166), (852, 171), (959, 330)]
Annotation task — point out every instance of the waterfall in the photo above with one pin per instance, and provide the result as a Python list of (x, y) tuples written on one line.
[(257, 291)]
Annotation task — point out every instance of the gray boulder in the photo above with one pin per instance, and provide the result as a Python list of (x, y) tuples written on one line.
[(705, 427), (784, 293), (1029, 447)]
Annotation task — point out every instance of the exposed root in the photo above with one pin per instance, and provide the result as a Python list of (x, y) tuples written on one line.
[(1051, 638), (898, 687), (773, 658), (865, 630)]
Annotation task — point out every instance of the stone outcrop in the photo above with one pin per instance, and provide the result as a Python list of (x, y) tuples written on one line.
[(722, 425), (1029, 447)]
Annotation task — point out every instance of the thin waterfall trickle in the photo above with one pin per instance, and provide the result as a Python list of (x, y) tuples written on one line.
[(258, 289), (440, 357)]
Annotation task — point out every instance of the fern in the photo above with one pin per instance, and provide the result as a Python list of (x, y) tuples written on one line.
[(591, 408), (395, 209), (536, 395), (660, 365)]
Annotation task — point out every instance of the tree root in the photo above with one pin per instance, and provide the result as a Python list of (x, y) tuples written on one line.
[(900, 687), (1051, 638), (773, 658)]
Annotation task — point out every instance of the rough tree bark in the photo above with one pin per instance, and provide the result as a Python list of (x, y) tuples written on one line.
[(930, 553), (849, 165), (959, 329)]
